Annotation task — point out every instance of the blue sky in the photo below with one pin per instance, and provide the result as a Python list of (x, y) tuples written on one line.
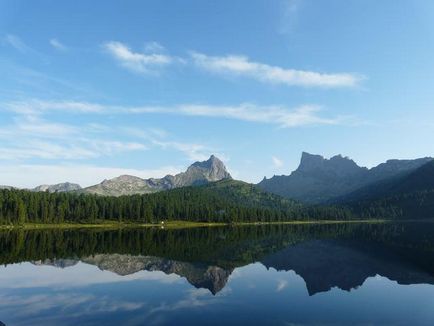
[(94, 89)]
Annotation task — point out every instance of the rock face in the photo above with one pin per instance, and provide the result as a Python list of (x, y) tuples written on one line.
[(60, 187), (198, 173), (319, 180)]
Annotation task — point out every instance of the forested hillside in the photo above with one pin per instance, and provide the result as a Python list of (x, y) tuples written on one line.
[(410, 196), (224, 201)]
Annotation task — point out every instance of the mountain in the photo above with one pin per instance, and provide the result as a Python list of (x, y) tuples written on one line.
[(409, 196), (319, 180), (6, 187), (420, 179), (60, 187), (197, 174)]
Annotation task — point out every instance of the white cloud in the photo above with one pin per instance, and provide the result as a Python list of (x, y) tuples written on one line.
[(242, 66), (135, 61), (35, 106), (277, 162), (55, 43), (32, 137), (32, 175), (278, 115)]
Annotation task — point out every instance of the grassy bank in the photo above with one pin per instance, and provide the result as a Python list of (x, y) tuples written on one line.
[(170, 224)]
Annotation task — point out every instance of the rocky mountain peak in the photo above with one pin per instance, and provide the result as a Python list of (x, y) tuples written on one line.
[(337, 164), (310, 161), (212, 169)]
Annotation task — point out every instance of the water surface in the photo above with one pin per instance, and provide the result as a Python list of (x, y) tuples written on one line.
[(279, 274)]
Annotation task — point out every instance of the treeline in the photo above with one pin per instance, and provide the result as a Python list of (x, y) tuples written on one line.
[(413, 205), (226, 202)]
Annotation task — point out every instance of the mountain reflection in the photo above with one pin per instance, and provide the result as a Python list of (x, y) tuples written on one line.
[(213, 278), (325, 256)]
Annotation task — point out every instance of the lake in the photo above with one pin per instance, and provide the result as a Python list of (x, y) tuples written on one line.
[(338, 274)]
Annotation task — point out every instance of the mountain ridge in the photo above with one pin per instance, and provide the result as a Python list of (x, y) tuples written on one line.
[(319, 180), (59, 187), (197, 173)]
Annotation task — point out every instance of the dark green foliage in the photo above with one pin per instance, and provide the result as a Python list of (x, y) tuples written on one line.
[(224, 201)]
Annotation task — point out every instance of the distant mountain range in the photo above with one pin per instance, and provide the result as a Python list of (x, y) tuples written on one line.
[(319, 180), (199, 173), (394, 189)]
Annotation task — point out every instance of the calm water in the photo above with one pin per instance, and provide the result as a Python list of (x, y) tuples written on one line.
[(284, 275)]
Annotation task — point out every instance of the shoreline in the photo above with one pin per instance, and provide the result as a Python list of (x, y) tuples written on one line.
[(178, 224)]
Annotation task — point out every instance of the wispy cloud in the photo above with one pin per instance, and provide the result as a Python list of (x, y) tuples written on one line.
[(278, 115), (31, 175), (30, 137), (277, 162), (34, 106), (242, 66), (281, 116), (154, 47), (55, 43), (136, 61), (158, 138), (194, 152), (289, 15), (16, 43)]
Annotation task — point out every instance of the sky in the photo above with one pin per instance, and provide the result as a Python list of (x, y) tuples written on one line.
[(91, 90)]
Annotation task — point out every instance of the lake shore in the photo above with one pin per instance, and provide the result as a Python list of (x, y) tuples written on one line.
[(174, 224)]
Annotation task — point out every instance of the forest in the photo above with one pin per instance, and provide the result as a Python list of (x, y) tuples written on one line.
[(227, 202)]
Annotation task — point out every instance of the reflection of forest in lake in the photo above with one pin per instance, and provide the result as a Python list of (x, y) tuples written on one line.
[(324, 255)]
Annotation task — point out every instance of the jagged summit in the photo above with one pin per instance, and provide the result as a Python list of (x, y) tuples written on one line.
[(338, 164), (213, 168), (198, 173)]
